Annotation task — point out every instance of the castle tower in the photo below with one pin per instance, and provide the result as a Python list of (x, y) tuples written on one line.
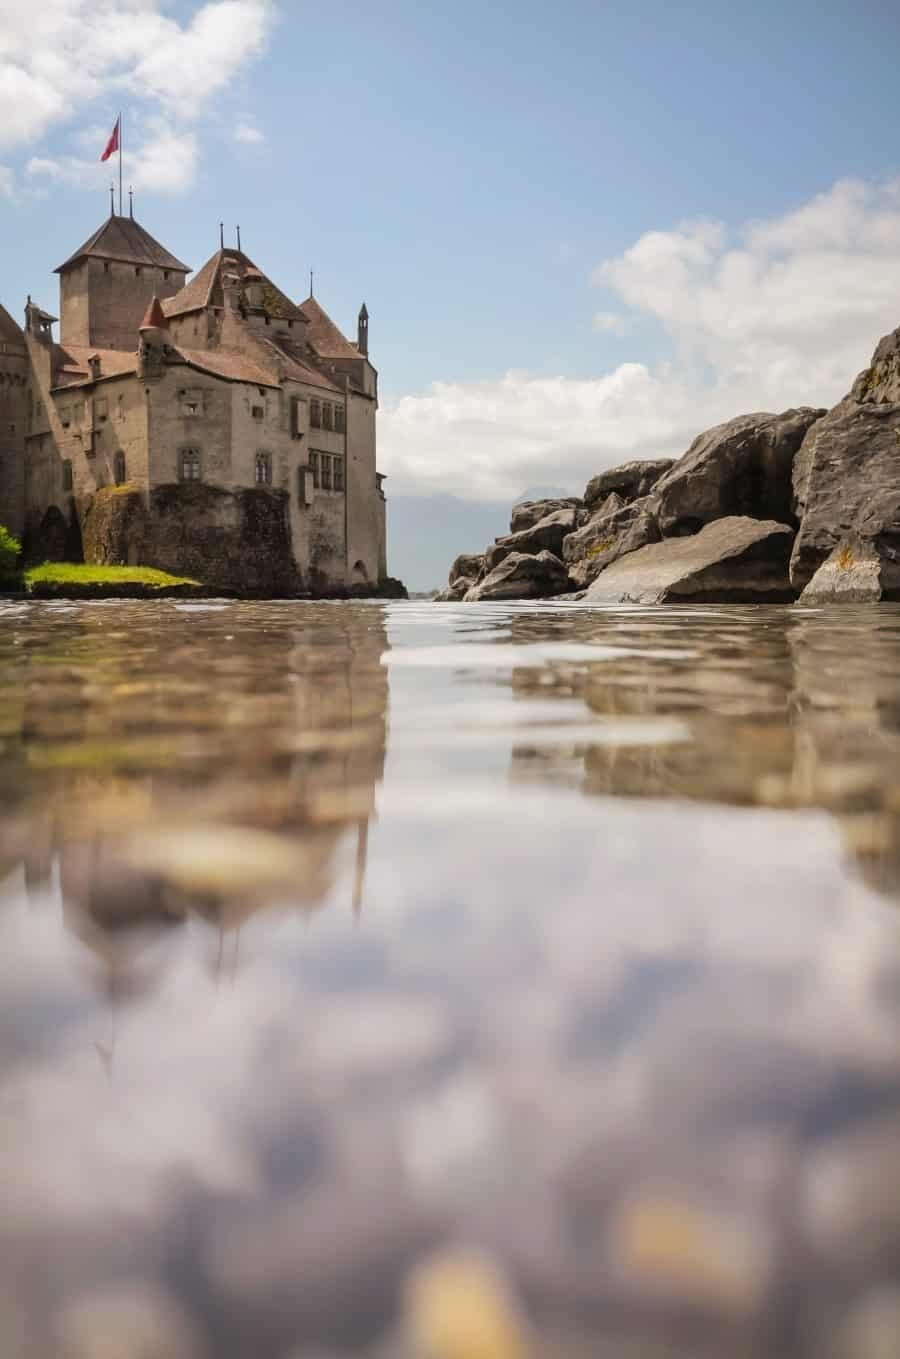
[(13, 412), (362, 331), (106, 287)]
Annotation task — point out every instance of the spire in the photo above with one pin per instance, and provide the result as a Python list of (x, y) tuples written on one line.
[(362, 331), (154, 317)]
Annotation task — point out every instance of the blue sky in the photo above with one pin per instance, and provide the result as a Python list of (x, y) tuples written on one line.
[(549, 210)]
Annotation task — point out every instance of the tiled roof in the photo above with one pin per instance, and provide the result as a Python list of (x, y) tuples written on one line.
[(198, 292), (153, 317), (324, 335), (205, 288), (124, 239), (227, 364), (71, 364), (297, 366)]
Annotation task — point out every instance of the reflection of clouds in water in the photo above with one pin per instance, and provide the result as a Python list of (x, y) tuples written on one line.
[(640, 1049)]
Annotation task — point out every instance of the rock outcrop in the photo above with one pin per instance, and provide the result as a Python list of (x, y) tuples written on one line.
[(469, 564), (607, 537), (735, 559), (821, 485), (521, 576), (742, 467), (630, 481), (545, 536), (847, 473), (852, 574), (530, 512)]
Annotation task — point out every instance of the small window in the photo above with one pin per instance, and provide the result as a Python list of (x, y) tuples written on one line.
[(190, 464), (65, 416), (106, 266), (166, 275), (296, 418), (263, 469), (338, 474), (315, 414), (101, 409), (327, 413), (326, 471), (120, 408), (12, 429), (138, 271), (119, 468), (190, 407), (67, 474), (339, 419), (257, 412), (314, 468), (290, 325)]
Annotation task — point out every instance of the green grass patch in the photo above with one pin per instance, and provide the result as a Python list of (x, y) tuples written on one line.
[(69, 576)]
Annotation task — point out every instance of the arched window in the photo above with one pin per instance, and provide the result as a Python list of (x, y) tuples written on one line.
[(263, 469), (119, 467), (190, 464)]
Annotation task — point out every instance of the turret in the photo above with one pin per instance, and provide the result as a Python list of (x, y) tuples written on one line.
[(362, 331), (153, 333)]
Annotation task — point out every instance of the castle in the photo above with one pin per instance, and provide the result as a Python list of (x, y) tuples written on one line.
[(212, 428)]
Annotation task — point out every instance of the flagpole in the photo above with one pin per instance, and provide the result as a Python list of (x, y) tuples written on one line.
[(120, 161)]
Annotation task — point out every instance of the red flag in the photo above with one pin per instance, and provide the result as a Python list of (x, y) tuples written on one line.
[(113, 143)]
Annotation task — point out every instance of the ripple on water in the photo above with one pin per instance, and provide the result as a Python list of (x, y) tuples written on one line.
[(402, 979)]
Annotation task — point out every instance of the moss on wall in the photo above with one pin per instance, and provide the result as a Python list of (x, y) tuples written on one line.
[(231, 540)]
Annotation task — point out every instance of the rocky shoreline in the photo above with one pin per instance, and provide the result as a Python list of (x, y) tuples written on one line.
[(764, 508)]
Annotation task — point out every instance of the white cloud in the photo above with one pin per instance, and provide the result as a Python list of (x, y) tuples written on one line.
[(165, 161), (58, 57), (782, 312), (246, 133)]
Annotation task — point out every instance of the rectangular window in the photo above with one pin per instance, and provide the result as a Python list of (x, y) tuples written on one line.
[(65, 416), (101, 409), (314, 468), (338, 473), (257, 412), (315, 414), (296, 418), (166, 275), (67, 474), (326, 471), (339, 419), (120, 408), (327, 413)]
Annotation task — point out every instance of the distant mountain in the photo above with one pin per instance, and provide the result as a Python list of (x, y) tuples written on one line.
[(426, 533)]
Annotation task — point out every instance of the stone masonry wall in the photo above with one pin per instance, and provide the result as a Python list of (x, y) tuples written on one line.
[(228, 540)]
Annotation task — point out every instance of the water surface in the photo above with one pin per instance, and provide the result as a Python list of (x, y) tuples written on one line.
[(339, 942)]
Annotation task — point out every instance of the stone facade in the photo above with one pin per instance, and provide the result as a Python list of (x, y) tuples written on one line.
[(160, 387)]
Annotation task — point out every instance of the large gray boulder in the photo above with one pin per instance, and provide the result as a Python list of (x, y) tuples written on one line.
[(631, 480), (521, 576), (455, 591), (847, 473), (735, 559), (742, 467), (607, 537), (469, 564), (851, 574), (530, 512), (545, 536)]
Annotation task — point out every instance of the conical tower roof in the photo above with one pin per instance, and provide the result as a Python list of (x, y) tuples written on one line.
[(125, 240)]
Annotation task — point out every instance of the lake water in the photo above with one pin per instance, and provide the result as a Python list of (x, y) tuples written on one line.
[(449, 982)]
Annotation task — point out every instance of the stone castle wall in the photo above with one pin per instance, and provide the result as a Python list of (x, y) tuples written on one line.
[(228, 540)]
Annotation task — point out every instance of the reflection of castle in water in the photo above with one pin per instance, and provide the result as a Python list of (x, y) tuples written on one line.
[(784, 709), (205, 765)]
